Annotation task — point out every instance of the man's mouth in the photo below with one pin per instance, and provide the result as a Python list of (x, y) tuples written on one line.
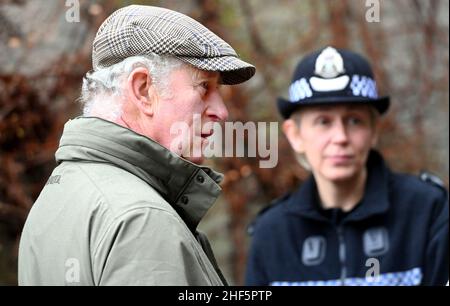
[(206, 135)]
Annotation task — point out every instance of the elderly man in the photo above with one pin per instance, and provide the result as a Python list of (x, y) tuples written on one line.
[(124, 202)]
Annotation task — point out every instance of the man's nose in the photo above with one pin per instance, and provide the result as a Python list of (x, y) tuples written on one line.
[(216, 111)]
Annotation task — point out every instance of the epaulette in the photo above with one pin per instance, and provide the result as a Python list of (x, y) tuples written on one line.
[(272, 204), (432, 180)]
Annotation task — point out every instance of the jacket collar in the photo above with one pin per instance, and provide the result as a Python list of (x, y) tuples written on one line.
[(189, 188), (304, 201)]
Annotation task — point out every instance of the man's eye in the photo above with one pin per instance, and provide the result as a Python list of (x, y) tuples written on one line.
[(205, 85)]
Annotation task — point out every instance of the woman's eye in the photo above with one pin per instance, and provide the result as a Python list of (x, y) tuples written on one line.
[(323, 121), (354, 121)]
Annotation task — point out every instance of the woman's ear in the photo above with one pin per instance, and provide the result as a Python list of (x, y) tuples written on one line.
[(376, 133), (292, 132), (141, 91)]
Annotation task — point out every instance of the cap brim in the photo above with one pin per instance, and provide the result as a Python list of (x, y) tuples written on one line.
[(232, 69), (286, 107)]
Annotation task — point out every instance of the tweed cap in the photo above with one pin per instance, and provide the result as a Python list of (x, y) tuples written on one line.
[(139, 30)]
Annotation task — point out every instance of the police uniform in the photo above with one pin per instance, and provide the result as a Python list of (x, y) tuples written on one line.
[(396, 235)]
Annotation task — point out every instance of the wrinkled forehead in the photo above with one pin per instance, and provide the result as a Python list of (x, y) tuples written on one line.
[(204, 75), (189, 75)]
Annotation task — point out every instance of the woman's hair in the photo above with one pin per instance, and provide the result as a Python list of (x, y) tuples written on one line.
[(103, 89), (301, 157)]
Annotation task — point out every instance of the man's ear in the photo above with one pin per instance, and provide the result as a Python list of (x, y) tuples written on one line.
[(292, 132), (141, 91)]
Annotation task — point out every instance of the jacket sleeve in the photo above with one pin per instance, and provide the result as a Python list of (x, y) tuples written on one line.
[(255, 274), (436, 268), (147, 246)]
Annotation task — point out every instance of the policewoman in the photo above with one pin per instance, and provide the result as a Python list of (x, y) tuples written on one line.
[(354, 221)]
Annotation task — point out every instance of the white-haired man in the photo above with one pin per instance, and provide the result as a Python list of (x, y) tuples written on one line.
[(124, 202)]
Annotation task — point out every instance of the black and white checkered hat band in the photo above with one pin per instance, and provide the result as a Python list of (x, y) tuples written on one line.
[(364, 86), (139, 30), (360, 86)]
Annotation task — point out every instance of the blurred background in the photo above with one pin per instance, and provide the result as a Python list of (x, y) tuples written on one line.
[(43, 58)]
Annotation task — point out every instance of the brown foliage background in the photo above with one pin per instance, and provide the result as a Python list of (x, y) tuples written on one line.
[(43, 59)]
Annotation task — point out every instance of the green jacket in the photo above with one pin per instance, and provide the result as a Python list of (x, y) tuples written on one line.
[(119, 209)]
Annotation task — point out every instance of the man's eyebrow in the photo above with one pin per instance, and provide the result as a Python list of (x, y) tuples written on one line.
[(199, 77)]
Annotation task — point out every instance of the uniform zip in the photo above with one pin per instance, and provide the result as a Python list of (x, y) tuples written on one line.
[(342, 254)]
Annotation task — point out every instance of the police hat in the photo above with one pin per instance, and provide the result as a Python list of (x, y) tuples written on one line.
[(332, 76)]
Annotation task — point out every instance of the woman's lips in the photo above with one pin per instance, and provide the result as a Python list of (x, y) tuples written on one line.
[(340, 159)]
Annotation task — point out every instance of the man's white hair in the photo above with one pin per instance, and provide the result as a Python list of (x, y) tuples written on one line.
[(103, 89)]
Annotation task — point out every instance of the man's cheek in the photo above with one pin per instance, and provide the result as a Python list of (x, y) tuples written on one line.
[(181, 135)]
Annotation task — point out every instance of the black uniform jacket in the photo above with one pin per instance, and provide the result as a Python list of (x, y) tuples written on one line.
[(397, 235)]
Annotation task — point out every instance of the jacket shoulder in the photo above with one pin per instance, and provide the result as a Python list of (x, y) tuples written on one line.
[(432, 180), (423, 187), (120, 189), (270, 213)]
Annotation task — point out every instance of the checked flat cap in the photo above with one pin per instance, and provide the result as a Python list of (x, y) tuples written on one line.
[(139, 30)]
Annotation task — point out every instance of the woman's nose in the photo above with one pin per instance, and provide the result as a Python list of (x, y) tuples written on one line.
[(340, 133)]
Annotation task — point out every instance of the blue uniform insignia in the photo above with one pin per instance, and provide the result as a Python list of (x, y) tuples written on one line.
[(376, 241), (313, 250)]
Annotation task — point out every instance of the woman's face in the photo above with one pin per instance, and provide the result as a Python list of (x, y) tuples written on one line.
[(336, 140)]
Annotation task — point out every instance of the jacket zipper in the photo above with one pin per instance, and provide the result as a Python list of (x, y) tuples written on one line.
[(342, 254)]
